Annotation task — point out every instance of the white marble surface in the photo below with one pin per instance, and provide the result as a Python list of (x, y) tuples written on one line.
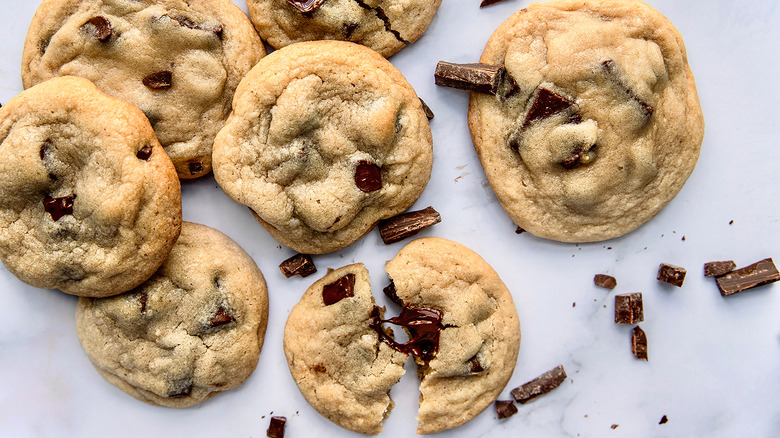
[(714, 366)]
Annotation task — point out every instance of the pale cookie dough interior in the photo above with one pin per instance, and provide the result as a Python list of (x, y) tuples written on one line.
[(193, 330), (602, 125), (179, 61)]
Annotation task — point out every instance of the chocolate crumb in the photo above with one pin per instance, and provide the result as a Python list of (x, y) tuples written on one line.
[(731, 222), (368, 176), (716, 269), (276, 428), (299, 264), (478, 77), (629, 309), (614, 426), (757, 274), (162, 80), (605, 281), (426, 109), (342, 288), (406, 225), (540, 385), (671, 274), (505, 408), (663, 420), (639, 343), (100, 28)]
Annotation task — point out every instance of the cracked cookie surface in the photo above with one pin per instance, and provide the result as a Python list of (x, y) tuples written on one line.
[(598, 125), (91, 203), (386, 26), (326, 138), (179, 61), (193, 330)]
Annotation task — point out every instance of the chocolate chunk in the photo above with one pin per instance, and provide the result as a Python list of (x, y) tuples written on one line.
[(276, 428), (540, 385), (408, 224), (663, 420), (391, 293), (299, 264), (671, 274), (628, 308), (546, 104), (368, 176), (639, 343), (145, 153), (222, 317), (482, 78), (99, 27), (426, 109), (757, 274), (142, 300), (349, 29), (305, 6), (519, 230), (605, 281), (475, 366), (186, 22), (58, 207), (342, 288), (424, 327), (488, 3), (159, 81), (195, 167), (505, 408), (716, 269)]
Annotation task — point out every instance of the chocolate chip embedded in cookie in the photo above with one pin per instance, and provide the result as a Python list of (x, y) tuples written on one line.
[(326, 139), (180, 62), (193, 330), (385, 26), (602, 124), (91, 203)]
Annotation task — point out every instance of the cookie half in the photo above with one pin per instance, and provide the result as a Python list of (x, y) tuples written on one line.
[(179, 61), (91, 203), (598, 125), (385, 26), (194, 330), (326, 138)]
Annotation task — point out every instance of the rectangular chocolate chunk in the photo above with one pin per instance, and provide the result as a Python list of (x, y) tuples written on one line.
[(639, 343), (605, 281), (716, 269), (276, 428), (540, 385), (408, 224), (479, 77), (299, 264), (628, 308), (757, 274), (505, 408), (671, 274)]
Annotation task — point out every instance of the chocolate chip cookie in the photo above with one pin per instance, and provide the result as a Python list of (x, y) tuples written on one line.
[(179, 61), (598, 123), (90, 201), (193, 330), (463, 331), (326, 138), (386, 26)]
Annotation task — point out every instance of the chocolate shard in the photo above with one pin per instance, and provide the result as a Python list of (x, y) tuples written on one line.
[(488, 3), (671, 274), (408, 224), (475, 366), (305, 6), (639, 343), (716, 269), (605, 281), (58, 207), (505, 408), (186, 22), (162, 80), (424, 326), (195, 167), (368, 176), (145, 153), (100, 28), (479, 77), (392, 294), (299, 264), (547, 103), (276, 428), (426, 109), (222, 317), (540, 385), (629, 309), (757, 274), (342, 288)]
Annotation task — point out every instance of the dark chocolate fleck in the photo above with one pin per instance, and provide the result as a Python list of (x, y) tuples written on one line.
[(276, 428), (757, 274), (716, 269), (614, 426), (342, 288), (145, 153), (162, 80), (58, 207), (142, 300), (195, 167), (605, 281), (406, 225), (368, 176), (540, 385), (629, 309), (99, 27), (186, 22), (663, 420), (424, 327), (479, 77), (639, 343), (299, 264), (505, 408), (349, 29), (671, 274), (547, 103), (222, 317)]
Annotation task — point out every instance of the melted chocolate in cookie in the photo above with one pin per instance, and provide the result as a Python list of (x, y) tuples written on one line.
[(424, 327)]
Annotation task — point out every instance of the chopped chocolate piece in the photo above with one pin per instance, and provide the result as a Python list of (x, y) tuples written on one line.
[(100, 28), (671, 274), (639, 343), (426, 109), (159, 81), (511, 87), (306, 5), (186, 22), (488, 3), (391, 293), (58, 207), (546, 104), (757, 274), (505, 408), (476, 367), (368, 176), (628, 308), (716, 269), (424, 327), (342, 288), (605, 281), (299, 264), (519, 230), (143, 299), (663, 420), (540, 385), (482, 78), (222, 317), (145, 153), (408, 224), (349, 29), (276, 428), (195, 167)]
